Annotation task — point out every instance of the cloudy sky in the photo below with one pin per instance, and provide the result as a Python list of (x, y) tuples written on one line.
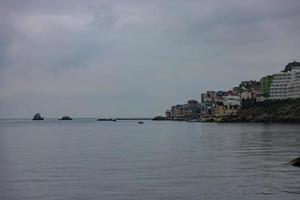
[(136, 58)]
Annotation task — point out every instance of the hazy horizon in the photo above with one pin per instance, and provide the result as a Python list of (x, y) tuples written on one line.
[(136, 58)]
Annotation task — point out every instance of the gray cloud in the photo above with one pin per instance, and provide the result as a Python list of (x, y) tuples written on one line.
[(136, 58)]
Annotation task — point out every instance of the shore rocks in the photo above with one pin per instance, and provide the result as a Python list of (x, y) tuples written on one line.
[(65, 118), (159, 118), (37, 116), (107, 119), (272, 111), (295, 162)]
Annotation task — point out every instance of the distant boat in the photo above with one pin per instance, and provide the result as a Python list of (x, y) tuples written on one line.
[(140, 122)]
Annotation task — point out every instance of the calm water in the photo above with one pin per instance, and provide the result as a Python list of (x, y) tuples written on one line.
[(85, 159)]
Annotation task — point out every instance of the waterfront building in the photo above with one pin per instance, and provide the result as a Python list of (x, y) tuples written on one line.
[(278, 88), (176, 112), (219, 111), (168, 114), (191, 110), (232, 105), (187, 112), (219, 96), (285, 84), (293, 87), (207, 113), (208, 97)]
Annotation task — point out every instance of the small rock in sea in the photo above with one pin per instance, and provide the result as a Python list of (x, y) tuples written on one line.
[(37, 116), (66, 118), (295, 162)]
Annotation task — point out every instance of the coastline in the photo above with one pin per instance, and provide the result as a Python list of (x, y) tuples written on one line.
[(269, 111)]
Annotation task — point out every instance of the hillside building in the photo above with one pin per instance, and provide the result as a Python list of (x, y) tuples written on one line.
[(232, 105), (285, 84)]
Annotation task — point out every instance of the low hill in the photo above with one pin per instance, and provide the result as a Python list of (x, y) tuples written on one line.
[(287, 110)]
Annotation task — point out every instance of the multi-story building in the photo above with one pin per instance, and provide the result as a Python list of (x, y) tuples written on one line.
[(232, 105), (208, 97), (168, 114), (219, 111), (220, 95), (187, 111), (176, 112), (191, 110), (293, 88), (278, 88), (285, 84)]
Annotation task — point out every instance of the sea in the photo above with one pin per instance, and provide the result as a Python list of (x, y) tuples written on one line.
[(84, 159)]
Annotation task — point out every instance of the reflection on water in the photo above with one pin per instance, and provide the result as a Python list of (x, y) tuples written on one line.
[(85, 159)]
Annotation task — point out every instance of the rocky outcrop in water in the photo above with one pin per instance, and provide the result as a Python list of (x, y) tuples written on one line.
[(65, 118), (37, 116), (159, 118), (107, 119), (295, 162)]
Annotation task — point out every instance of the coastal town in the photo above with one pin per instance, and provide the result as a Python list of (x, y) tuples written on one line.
[(218, 106)]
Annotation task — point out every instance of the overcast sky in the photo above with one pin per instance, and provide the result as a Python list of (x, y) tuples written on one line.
[(136, 58)]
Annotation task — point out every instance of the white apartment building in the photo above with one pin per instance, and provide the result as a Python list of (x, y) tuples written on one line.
[(293, 88), (278, 88), (286, 84)]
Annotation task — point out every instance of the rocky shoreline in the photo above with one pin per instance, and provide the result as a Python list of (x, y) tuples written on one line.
[(279, 111), (271, 111)]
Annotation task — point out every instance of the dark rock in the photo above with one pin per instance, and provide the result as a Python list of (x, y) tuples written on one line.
[(37, 116), (158, 118), (295, 162), (107, 119), (272, 111), (66, 118)]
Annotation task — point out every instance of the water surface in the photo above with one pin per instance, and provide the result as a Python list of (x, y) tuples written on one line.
[(86, 159)]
